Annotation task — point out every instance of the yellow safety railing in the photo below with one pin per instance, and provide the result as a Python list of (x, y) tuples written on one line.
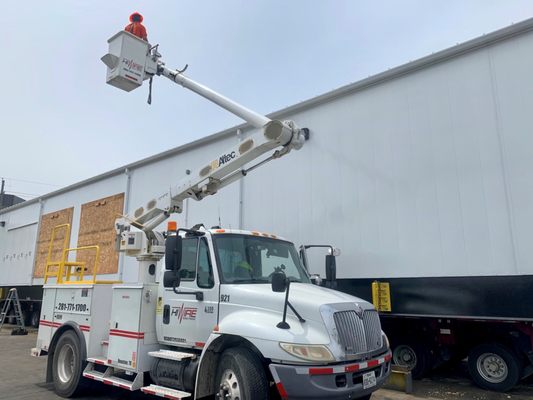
[(71, 272), (77, 269), (53, 269)]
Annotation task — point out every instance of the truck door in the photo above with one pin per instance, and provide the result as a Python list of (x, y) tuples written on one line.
[(187, 319)]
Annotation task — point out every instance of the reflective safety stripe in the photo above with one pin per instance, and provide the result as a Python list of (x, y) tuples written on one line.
[(50, 324), (126, 334), (282, 392), (344, 368)]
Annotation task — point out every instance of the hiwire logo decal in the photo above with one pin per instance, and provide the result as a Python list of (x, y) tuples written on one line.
[(132, 64), (184, 313)]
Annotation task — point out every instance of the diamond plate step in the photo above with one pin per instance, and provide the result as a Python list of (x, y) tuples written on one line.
[(171, 355), (165, 392)]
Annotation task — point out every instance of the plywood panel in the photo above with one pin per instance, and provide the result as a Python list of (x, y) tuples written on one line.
[(97, 227), (48, 222)]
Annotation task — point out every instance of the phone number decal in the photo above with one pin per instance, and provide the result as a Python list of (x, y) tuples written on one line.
[(71, 307)]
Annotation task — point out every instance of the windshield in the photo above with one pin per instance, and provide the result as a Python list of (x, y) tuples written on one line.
[(252, 259)]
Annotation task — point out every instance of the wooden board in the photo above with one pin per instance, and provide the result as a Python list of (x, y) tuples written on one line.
[(97, 227), (48, 222)]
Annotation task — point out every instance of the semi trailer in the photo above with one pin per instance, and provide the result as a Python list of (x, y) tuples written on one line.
[(230, 313)]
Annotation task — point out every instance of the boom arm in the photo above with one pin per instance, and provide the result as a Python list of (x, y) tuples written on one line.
[(275, 137)]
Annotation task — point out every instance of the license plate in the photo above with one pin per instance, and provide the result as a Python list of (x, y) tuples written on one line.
[(369, 380)]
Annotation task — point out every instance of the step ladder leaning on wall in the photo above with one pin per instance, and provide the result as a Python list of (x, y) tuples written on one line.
[(13, 298)]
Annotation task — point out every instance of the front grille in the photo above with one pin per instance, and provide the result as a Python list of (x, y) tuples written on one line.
[(358, 334), (372, 330)]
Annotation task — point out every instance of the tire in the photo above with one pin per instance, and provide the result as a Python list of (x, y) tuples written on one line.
[(34, 319), (494, 366), (416, 357), (367, 397), (67, 367), (240, 375), (11, 319)]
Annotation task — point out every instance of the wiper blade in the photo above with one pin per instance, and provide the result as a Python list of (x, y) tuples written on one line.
[(250, 280)]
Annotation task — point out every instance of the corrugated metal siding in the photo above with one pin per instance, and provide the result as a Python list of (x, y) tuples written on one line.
[(424, 170), (426, 175)]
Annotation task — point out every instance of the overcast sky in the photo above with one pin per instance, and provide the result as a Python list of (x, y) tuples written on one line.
[(60, 123)]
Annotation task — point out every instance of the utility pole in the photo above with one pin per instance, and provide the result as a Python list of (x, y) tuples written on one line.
[(2, 193)]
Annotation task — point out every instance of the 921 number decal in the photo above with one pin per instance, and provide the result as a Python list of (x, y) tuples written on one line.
[(224, 298)]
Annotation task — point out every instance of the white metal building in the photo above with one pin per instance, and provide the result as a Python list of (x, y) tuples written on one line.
[(422, 170)]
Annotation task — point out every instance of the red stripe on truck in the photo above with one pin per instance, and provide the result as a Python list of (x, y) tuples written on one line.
[(351, 368), (282, 392), (127, 334), (320, 371)]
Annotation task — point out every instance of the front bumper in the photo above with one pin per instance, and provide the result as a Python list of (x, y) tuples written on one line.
[(337, 382)]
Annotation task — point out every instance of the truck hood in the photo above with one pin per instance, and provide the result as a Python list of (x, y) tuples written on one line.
[(253, 311), (305, 298)]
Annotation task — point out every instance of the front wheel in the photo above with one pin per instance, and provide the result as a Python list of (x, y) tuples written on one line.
[(493, 366), (67, 367), (241, 376)]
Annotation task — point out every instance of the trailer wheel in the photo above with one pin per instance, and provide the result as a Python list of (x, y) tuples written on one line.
[(493, 366), (34, 319), (414, 356), (241, 376), (67, 367)]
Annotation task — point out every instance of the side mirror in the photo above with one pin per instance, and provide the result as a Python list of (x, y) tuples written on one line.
[(331, 268), (316, 279), (279, 282), (171, 279), (173, 253)]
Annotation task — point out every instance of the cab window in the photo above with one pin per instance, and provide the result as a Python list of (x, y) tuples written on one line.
[(205, 271), (188, 259)]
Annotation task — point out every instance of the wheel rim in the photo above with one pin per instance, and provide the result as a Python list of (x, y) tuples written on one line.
[(65, 363), (404, 356), (492, 367), (230, 388)]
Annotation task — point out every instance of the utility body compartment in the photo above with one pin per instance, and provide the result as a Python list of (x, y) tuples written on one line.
[(86, 306), (117, 321), (132, 331)]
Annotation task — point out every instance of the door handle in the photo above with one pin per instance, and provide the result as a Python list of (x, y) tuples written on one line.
[(199, 295)]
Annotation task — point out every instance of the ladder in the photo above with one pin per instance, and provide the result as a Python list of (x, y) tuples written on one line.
[(13, 297)]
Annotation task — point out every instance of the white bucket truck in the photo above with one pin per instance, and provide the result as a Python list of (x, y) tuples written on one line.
[(235, 314)]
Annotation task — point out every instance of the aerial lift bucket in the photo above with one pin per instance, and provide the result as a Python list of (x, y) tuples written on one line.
[(127, 61)]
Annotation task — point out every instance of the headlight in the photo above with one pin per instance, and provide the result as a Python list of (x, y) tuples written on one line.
[(385, 340), (308, 352)]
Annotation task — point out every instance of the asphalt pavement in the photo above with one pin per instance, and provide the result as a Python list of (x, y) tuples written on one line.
[(22, 377)]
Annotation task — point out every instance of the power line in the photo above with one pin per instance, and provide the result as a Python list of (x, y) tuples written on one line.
[(34, 182), (23, 194)]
